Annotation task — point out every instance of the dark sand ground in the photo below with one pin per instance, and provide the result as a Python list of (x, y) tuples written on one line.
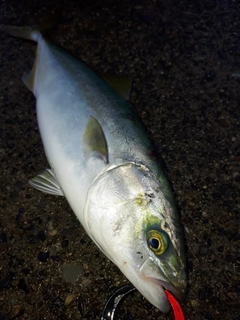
[(184, 57)]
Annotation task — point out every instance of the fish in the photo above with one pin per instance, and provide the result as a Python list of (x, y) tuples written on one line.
[(101, 159)]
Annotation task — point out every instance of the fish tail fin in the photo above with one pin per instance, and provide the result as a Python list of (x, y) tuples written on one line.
[(35, 32), (21, 32)]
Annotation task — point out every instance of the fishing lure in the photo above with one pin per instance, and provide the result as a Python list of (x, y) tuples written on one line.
[(109, 310)]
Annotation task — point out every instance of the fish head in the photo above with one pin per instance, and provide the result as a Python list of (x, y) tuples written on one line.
[(133, 220)]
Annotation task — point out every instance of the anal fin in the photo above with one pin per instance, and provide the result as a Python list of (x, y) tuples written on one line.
[(29, 78)]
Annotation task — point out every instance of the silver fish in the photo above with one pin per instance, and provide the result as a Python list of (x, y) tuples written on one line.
[(100, 159)]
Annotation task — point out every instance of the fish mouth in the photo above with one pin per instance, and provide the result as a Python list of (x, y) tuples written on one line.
[(158, 296), (156, 281), (168, 286)]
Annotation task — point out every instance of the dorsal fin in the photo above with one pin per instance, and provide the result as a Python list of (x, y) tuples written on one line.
[(122, 84)]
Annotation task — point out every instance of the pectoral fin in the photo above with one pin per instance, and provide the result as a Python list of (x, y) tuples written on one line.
[(47, 183), (94, 141)]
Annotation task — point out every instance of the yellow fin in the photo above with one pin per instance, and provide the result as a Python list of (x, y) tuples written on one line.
[(35, 32), (29, 78), (94, 141), (21, 32), (122, 84)]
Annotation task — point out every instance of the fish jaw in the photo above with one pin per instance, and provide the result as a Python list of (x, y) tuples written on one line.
[(155, 278), (174, 280), (150, 281), (156, 295), (151, 289)]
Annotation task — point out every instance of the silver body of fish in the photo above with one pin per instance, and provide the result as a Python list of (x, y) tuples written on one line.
[(101, 161)]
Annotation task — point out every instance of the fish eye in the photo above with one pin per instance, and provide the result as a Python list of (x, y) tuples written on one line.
[(154, 243), (157, 241)]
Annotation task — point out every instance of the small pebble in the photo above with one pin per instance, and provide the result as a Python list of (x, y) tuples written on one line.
[(208, 316), (17, 311), (81, 305), (58, 302), (41, 235), (72, 272), (3, 237), (202, 294), (43, 256), (86, 282), (26, 271), (222, 55), (194, 303), (64, 243), (50, 225), (20, 214), (6, 281), (235, 174), (203, 250), (23, 286), (66, 232), (191, 204), (68, 299), (53, 232)]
